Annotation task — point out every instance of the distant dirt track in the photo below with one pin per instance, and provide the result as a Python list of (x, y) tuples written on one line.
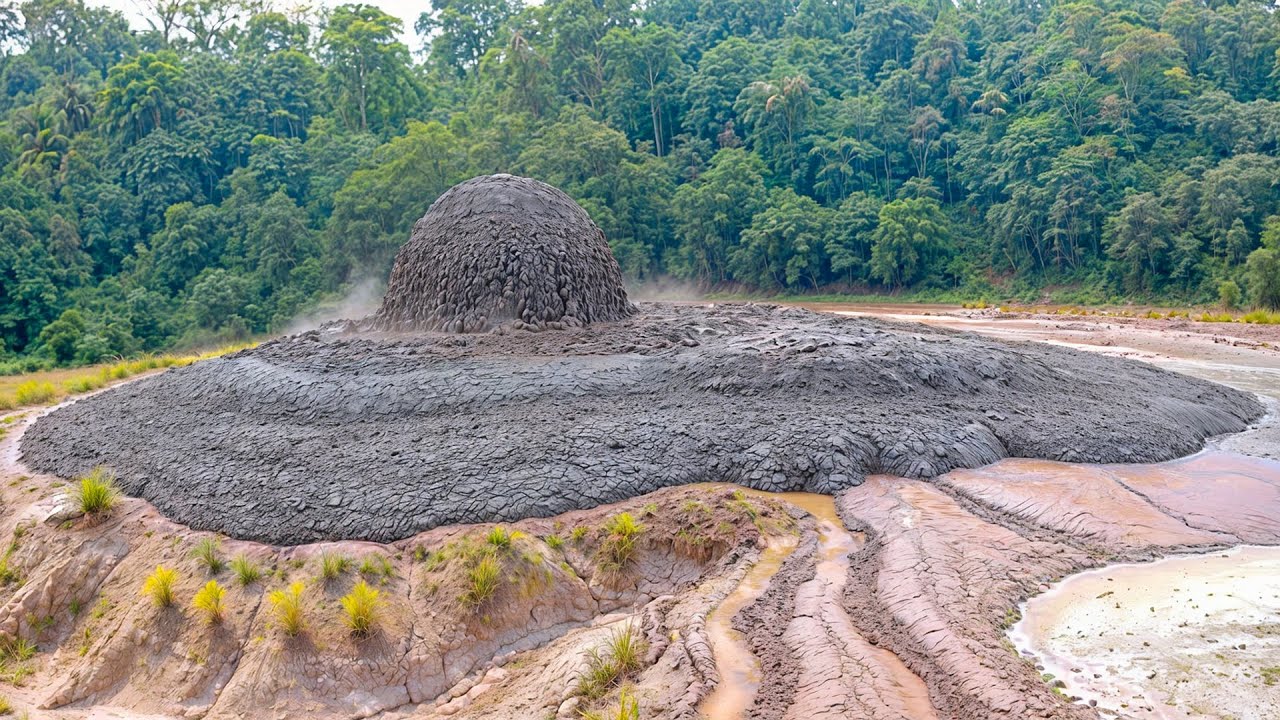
[(336, 434)]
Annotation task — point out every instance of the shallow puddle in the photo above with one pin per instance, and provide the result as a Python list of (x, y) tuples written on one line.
[(1183, 637)]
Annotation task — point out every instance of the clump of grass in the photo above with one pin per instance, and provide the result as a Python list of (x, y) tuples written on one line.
[(15, 652), (287, 606), (554, 541), (1262, 317), (83, 384), (419, 554), (628, 709), (332, 565), (620, 535), (578, 533), (246, 572), (6, 707), (208, 600), (34, 392), (97, 494), (619, 658), (375, 565), (360, 608), (1215, 317), (159, 586), (482, 581), (499, 537), (209, 552)]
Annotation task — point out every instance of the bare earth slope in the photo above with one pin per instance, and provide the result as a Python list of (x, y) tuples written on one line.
[(340, 435)]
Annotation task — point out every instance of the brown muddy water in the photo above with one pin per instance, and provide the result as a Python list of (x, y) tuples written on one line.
[(740, 669)]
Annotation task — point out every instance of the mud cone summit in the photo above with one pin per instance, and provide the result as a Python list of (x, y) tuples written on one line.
[(382, 428), (502, 249)]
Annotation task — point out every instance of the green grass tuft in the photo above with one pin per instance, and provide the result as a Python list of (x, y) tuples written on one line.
[(554, 541), (159, 586), (628, 709), (332, 565), (621, 533), (360, 608), (621, 657), (209, 552), (499, 537), (97, 494), (246, 572), (482, 581)]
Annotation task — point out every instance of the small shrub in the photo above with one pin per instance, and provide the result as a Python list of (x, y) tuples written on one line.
[(159, 586), (482, 581), (34, 392), (209, 601), (332, 565), (16, 649), (97, 493), (287, 606), (246, 572), (360, 608), (1229, 294), (208, 552)]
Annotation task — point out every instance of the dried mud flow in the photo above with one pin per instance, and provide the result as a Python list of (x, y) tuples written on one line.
[(357, 436)]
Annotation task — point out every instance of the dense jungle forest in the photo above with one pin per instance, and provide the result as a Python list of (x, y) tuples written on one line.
[(219, 173)]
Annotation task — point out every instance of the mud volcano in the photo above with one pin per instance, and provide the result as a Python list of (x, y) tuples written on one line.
[(500, 250), (578, 398)]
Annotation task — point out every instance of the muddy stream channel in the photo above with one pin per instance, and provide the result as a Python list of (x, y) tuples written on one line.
[(1184, 636)]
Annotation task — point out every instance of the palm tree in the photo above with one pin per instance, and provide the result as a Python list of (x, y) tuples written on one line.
[(76, 105), (40, 128)]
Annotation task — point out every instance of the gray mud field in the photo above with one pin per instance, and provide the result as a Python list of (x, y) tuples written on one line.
[(355, 435)]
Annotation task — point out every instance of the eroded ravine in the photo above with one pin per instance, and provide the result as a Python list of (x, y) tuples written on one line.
[(838, 673)]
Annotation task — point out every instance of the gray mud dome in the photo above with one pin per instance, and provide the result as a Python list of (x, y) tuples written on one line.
[(502, 250), (347, 435)]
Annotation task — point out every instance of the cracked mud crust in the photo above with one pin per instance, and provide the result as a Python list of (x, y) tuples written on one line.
[(499, 251), (348, 435)]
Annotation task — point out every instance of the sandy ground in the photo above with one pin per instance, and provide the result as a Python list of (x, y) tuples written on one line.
[(1183, 637)]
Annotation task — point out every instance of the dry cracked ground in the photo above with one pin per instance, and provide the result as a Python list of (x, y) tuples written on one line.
[(899, 611)]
